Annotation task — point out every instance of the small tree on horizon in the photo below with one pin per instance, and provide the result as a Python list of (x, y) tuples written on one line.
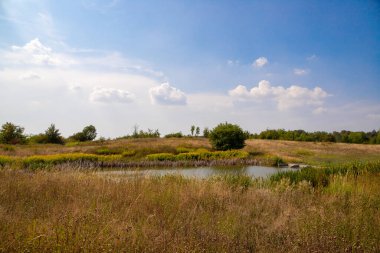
[(197, 131), (52, 135), (226, 136), (192, 130)]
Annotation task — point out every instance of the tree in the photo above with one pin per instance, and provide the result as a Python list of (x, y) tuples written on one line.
[(192, 130), (227, 136), (206, 132), (12, 134), (88, 134), (52, 135), (197, 131)]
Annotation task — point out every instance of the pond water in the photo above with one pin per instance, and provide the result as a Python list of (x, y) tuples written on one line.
[(199, 172)]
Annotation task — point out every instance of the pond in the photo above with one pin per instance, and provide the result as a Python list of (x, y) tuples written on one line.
[(199, 172)]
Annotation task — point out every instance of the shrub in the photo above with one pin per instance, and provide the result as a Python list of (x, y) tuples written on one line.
[(53, 136), (174, 135), (12, 134), (227, 136), (88, 134), (161, 157)]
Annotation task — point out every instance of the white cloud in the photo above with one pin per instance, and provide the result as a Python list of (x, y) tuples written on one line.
[(260, 62), (110, 95), (35, 53), (232, 63), (286, 98), (167, 95), (30, 76), (312, 57), (301, 72)]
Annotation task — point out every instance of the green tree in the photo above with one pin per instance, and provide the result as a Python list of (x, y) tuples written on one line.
[(192, 130), (206, 132), (88, 134), (52, 135), (12, 134), (227, 136), (197, 131)]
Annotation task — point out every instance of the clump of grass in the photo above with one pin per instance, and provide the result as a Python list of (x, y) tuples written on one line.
[(128, 153), (40, 161), (184, 150), (108, 151), (6, 160), (200, 154)]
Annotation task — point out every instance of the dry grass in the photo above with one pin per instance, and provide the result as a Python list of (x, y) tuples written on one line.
[(290, 151), (315, 152), (75, 212)]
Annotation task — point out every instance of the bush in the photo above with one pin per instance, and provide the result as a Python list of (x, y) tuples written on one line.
[(227, 136), (12, 134), (174, 135), (88, 134)]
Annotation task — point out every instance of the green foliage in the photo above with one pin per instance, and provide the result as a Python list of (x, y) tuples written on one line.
[(174, 135), (192, 129), (161, 157), (206, 132), (88, 134), (199, 155), (6, 160), (12, 134), (108, 151), (53, 136), (145, 134), (128, 153), (227, 136), (372, 137)]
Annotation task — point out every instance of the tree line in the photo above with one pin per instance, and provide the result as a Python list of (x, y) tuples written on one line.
[(13, 134), (344, 136)]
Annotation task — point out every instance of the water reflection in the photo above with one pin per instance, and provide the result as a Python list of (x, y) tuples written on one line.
[(200, 172)]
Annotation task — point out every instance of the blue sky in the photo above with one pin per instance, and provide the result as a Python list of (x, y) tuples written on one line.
[(312, 65)]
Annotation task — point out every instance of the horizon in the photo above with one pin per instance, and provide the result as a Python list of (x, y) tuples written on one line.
[(170, 65)]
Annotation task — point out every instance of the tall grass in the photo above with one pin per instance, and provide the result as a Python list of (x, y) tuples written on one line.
[(74, 212), (321, 176)]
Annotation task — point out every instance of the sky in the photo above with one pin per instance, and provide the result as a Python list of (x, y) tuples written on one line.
[(167, 65)]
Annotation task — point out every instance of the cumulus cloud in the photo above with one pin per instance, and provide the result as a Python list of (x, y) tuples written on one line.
[(260, 62), (301, 72), (110, 95), (286, 98), (35, 53), (165, 94)]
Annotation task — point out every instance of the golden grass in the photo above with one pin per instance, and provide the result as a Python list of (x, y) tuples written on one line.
[(289, 151), (74, 212)]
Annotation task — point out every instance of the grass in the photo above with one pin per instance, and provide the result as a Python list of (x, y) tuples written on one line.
[(263, 150), (71, 211)]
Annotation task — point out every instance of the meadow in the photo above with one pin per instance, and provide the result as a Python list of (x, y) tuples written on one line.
[(60, 204)]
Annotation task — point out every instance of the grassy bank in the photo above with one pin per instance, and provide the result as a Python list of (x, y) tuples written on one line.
[(75, 211), (146, 152)]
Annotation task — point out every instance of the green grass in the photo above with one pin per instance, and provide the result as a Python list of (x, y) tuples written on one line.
[(199, 155)]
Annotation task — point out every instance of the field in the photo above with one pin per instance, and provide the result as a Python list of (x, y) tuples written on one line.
[(74, 210)]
